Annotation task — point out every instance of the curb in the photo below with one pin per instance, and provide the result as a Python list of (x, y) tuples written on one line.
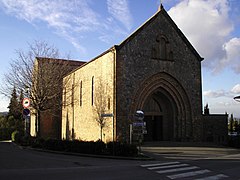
[(145, 158)]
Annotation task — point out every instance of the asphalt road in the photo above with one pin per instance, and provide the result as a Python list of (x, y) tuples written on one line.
[(17, 164), (170, 163), (215, 162)]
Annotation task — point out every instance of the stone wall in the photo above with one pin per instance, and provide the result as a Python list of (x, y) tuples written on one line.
[(79, 115), (50, 124), (137, 62), (215, 128)]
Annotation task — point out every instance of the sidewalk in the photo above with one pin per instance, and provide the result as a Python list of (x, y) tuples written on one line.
[(180, 144), (200, 150)]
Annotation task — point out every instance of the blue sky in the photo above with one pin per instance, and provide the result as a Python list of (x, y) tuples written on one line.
[(86, 28)]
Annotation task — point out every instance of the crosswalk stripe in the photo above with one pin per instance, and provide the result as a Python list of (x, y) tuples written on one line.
[(181, 158), (188, 174), (170, 166), (177, 169), (216, 177), (178, 155), (159, 164)]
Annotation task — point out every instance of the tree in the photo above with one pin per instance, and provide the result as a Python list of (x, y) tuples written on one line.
[(20, 99), (206, 110), (13, 120), (231, 121), (101, 106), (40, 70), (236, 125), (14, 106)]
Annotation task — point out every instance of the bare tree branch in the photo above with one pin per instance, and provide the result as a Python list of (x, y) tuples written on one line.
[(40, 70)]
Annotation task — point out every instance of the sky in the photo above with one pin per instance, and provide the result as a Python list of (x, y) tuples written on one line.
[(86, 28)]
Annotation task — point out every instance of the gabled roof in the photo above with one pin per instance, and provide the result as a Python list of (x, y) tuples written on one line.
[(162, 11), (71, 65), (61, 61)]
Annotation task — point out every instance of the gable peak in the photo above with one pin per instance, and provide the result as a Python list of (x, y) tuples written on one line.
[(160, 7)]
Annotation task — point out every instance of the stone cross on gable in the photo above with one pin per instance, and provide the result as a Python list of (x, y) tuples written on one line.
[(161, 2), (160, 5)]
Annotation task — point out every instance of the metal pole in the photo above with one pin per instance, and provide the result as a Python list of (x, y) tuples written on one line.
[(130, 133), (113, 138)]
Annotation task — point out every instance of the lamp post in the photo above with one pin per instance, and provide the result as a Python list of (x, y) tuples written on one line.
[(237, 98)]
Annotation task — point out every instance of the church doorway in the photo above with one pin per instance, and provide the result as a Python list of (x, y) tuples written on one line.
[(154, 127), (166, 108), (160, 113)]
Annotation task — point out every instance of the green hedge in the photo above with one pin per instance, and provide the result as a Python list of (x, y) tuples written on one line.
[(234, 141), (17, 136), (85, 147), (5, 133), (122, 149)]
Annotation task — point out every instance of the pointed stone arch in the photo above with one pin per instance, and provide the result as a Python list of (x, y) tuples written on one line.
[(171, 94)]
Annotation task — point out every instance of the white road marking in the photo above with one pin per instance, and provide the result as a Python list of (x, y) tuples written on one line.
[(216, 177), (159, 164), (170, 166), (177, 169), (188, 174)]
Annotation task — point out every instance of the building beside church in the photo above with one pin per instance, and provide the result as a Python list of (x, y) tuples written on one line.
[(156, 70), (46, 95)]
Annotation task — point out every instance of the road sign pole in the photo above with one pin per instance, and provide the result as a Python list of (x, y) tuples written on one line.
[(130, 133), (26, 114)]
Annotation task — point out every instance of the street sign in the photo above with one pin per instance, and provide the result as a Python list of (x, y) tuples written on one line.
[(107, 115), (136, 124), (26, 102), (26, 112)]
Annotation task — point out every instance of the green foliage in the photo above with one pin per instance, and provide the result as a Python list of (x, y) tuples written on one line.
[(85, 147), (234, 125), (7, 126), (17, 136), (5, 133), (122, 149), (234, 141), (230, 126), (13, 121), (15, 107)]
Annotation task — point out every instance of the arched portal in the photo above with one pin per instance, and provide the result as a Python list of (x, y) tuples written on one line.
[(166, 107), (160, 113)]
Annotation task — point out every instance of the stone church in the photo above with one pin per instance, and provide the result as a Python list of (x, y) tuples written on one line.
[(155, 70)]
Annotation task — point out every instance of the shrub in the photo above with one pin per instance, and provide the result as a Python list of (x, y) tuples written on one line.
[(76, 146), (17, 136), (55, 144), (27, 140), (234, 141), (5, 133), (87, 147), (122, 149), (38, 143)]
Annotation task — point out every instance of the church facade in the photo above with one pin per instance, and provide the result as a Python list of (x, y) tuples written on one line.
[(155, 70)]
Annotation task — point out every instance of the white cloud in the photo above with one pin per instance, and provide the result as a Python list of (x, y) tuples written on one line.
[(120, 11), (232, 48), (66, 17), (207, 25), (236, 89), (223, 93), (73, 19), (214, 94)]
